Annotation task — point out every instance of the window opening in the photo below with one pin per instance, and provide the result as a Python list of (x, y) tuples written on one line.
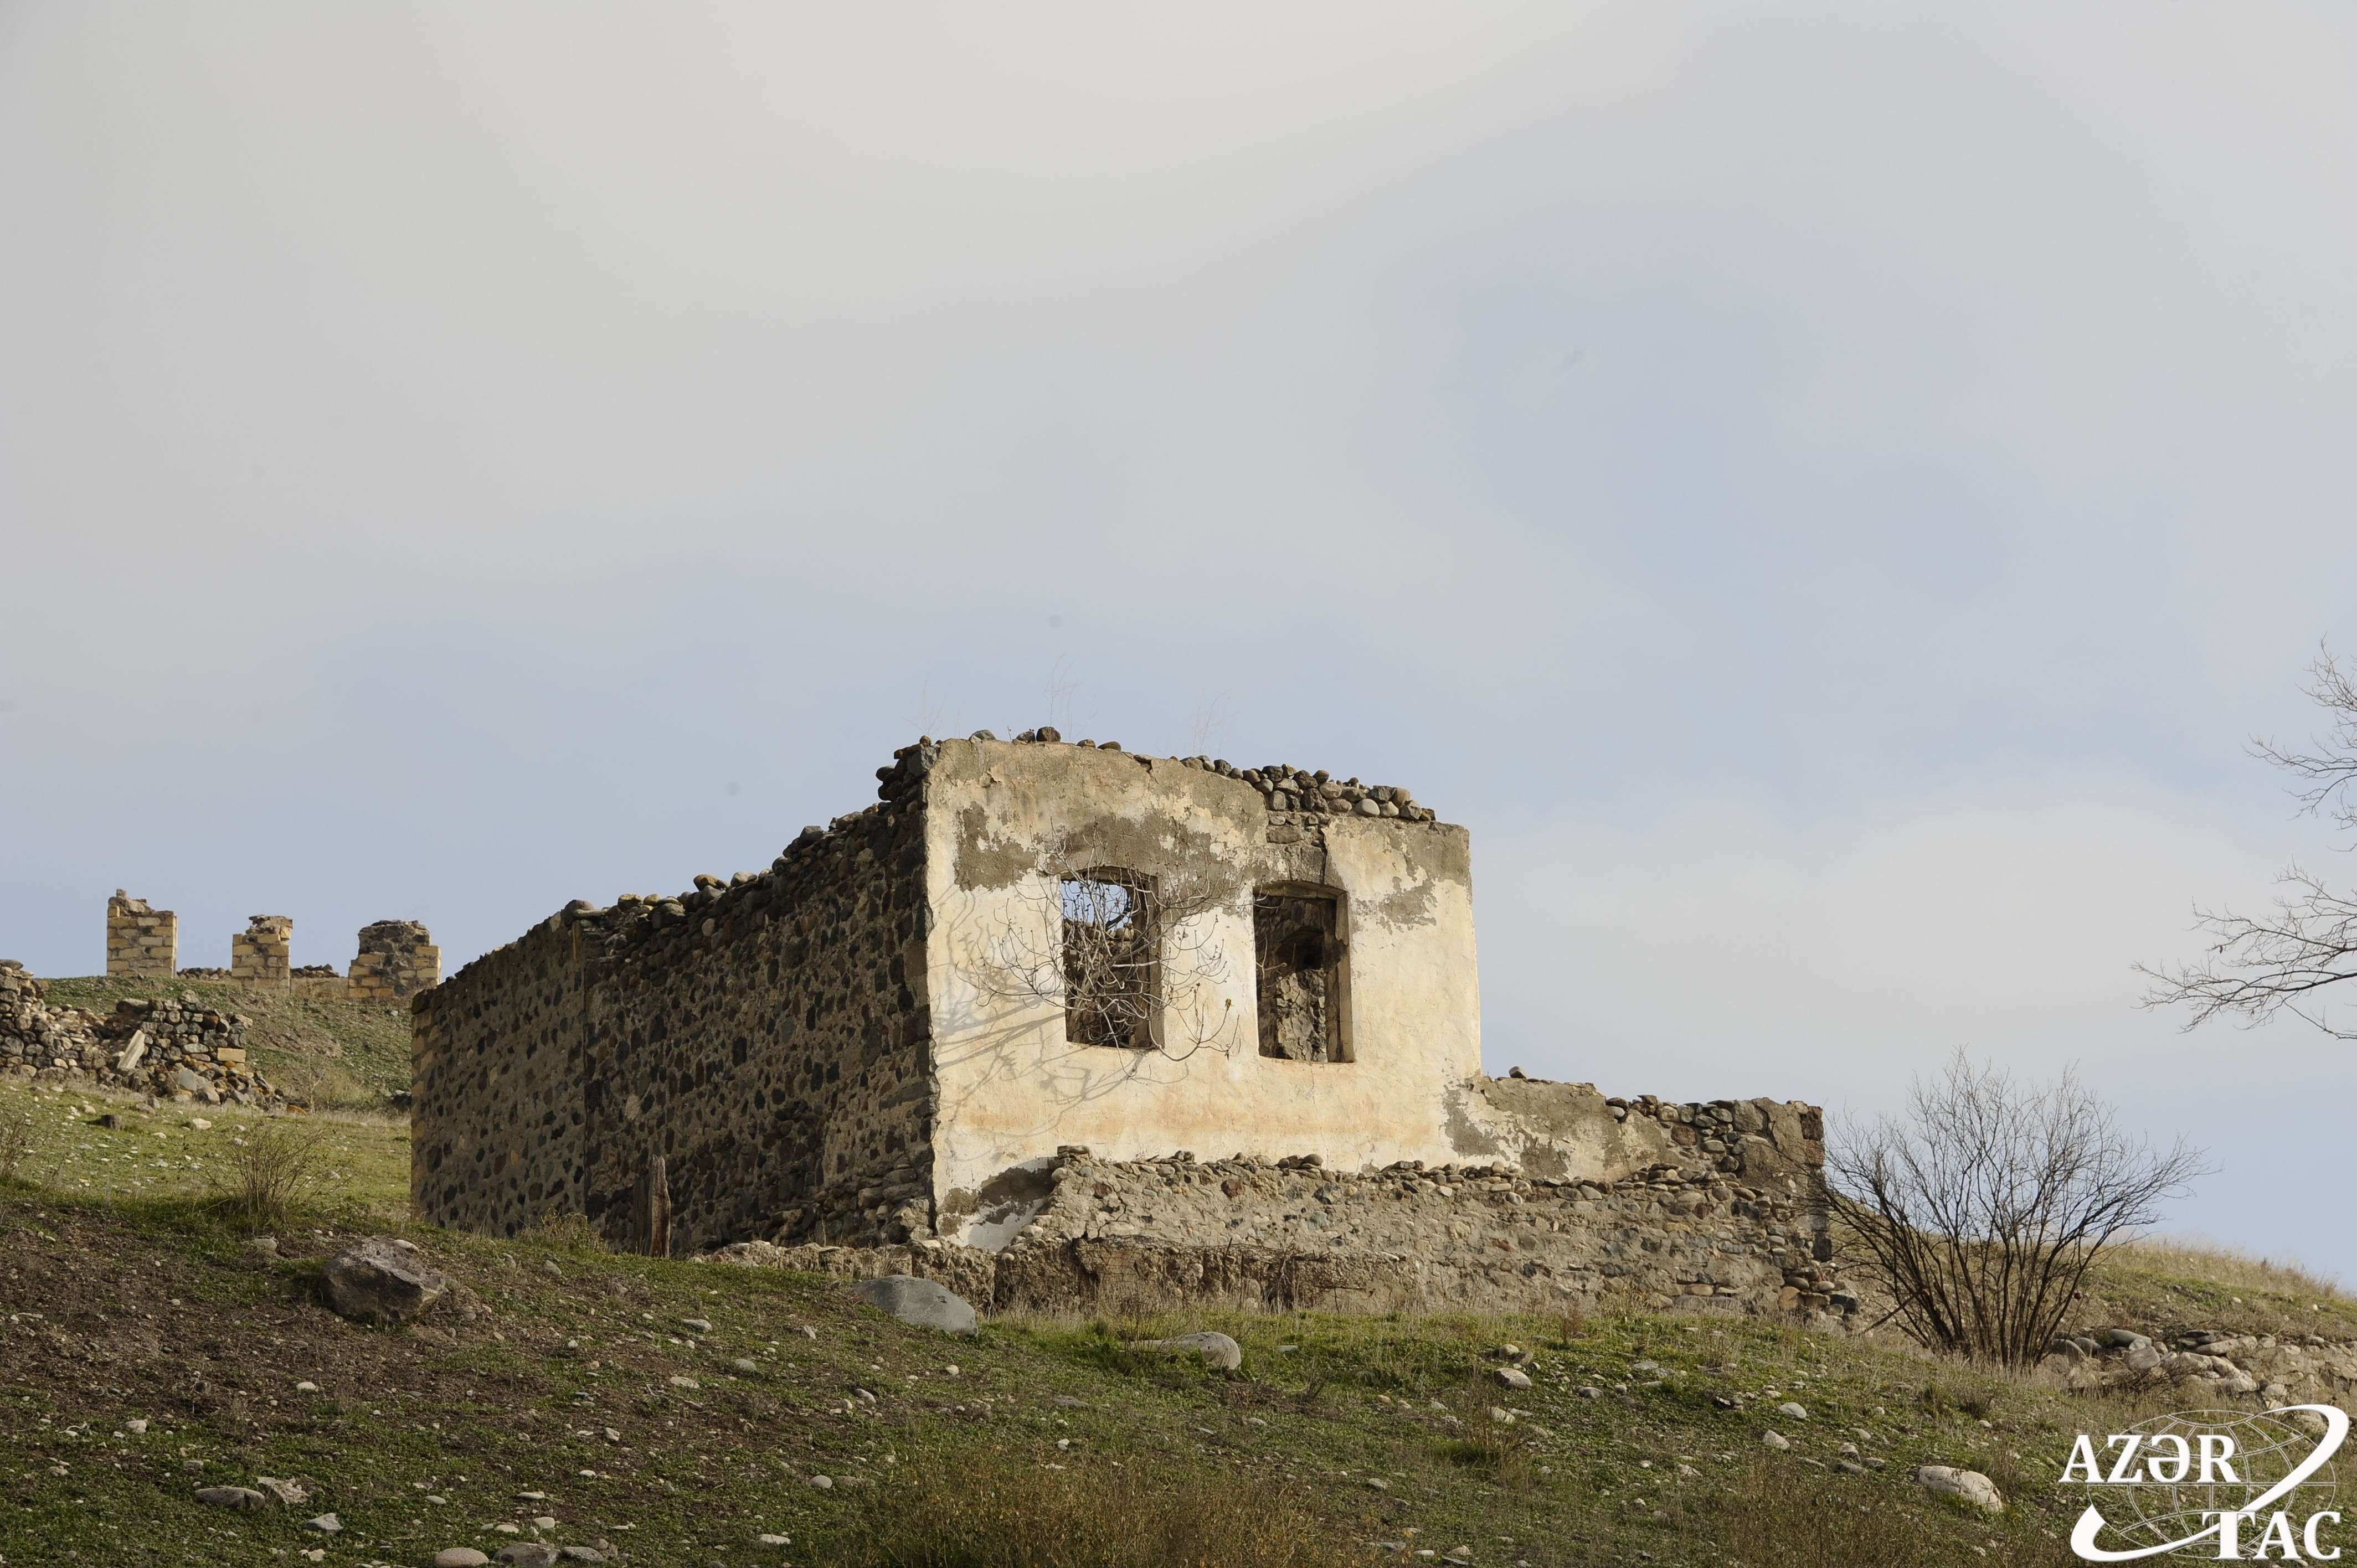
[(1109, 960), (1298, 955)]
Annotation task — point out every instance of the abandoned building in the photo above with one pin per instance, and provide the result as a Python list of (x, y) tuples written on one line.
[(1054, 1019)]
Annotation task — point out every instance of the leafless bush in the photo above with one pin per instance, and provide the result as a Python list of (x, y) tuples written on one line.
[(2284, 961), (1129, 959), (278, 1165), (1985, 1206)]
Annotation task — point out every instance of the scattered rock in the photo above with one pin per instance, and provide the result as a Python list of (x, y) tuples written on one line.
[(326, 1524), (582, 1554), (822, 1482), (777, 1541), (459, 1557), (528, 1553), (380, 1281), (289, 1493), (1849, 1467), (679, 1382), (1796, 1411), (747, 1367), (1775, 1439), (1220, 1353), (231, 1498), (1513, 1377), (1966, 1486), (1376, 1484), (697, 1325), (921, 1304)]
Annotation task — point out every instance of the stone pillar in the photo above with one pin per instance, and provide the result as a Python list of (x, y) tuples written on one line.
[(141, 942), (262, 952), (397, 959)]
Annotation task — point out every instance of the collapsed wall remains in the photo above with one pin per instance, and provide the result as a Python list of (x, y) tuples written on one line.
[(165, 1047)]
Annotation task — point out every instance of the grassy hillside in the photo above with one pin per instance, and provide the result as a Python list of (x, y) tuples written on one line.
[(346, 1053), (593, 1382)]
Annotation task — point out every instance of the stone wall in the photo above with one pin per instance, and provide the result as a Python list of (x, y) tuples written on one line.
[(263, 954), (141, 942), (748, 1057), (167, 1048), (397, 959), (1685, 1234)]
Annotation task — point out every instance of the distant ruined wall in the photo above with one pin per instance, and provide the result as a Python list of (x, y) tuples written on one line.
[(765, 1039), (397, 959), (264, 954), (141, 942)]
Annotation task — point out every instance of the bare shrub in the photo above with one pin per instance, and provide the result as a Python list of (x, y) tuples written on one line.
[(278, 1165), (1985, 1206), (991, 1510)]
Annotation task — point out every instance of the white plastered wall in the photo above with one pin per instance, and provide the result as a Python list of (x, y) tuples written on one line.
[(1005, 819)]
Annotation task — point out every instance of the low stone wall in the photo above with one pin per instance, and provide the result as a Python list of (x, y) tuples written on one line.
[(1683, 1235), (171, 1048)]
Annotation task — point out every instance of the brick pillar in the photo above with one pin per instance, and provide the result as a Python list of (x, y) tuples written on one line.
[(262, 951), (141, 942)]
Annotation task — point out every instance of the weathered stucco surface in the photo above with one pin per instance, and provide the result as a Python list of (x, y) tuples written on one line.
[(1008, 820)]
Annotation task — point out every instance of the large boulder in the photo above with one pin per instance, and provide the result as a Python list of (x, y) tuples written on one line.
[(382, 1281), (1220, 1353), (919, 1303), (1964, 1486)]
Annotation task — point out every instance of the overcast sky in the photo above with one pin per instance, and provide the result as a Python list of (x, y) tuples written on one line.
[(1824, 493)]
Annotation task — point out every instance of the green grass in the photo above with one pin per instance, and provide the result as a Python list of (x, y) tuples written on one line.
[(349, 1055), (126, 1295)]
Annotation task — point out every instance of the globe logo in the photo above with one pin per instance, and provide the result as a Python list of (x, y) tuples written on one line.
[(2216, 1484)]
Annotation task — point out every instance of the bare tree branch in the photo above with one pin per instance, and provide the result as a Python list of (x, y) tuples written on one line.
[(2327, 774), (1985, 1205), (2260, 966)]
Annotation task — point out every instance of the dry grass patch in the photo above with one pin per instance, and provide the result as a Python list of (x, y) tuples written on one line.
[(2199, 1258), (997, 1512)]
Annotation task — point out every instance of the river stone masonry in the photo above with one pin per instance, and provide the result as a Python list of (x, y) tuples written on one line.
[(864, 1054)]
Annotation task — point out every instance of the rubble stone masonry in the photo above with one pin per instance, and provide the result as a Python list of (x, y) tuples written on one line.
[(840, 1063), (749, 1057)]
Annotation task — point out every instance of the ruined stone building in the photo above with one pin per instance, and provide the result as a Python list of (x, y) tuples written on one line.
[(1059, 1021)]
